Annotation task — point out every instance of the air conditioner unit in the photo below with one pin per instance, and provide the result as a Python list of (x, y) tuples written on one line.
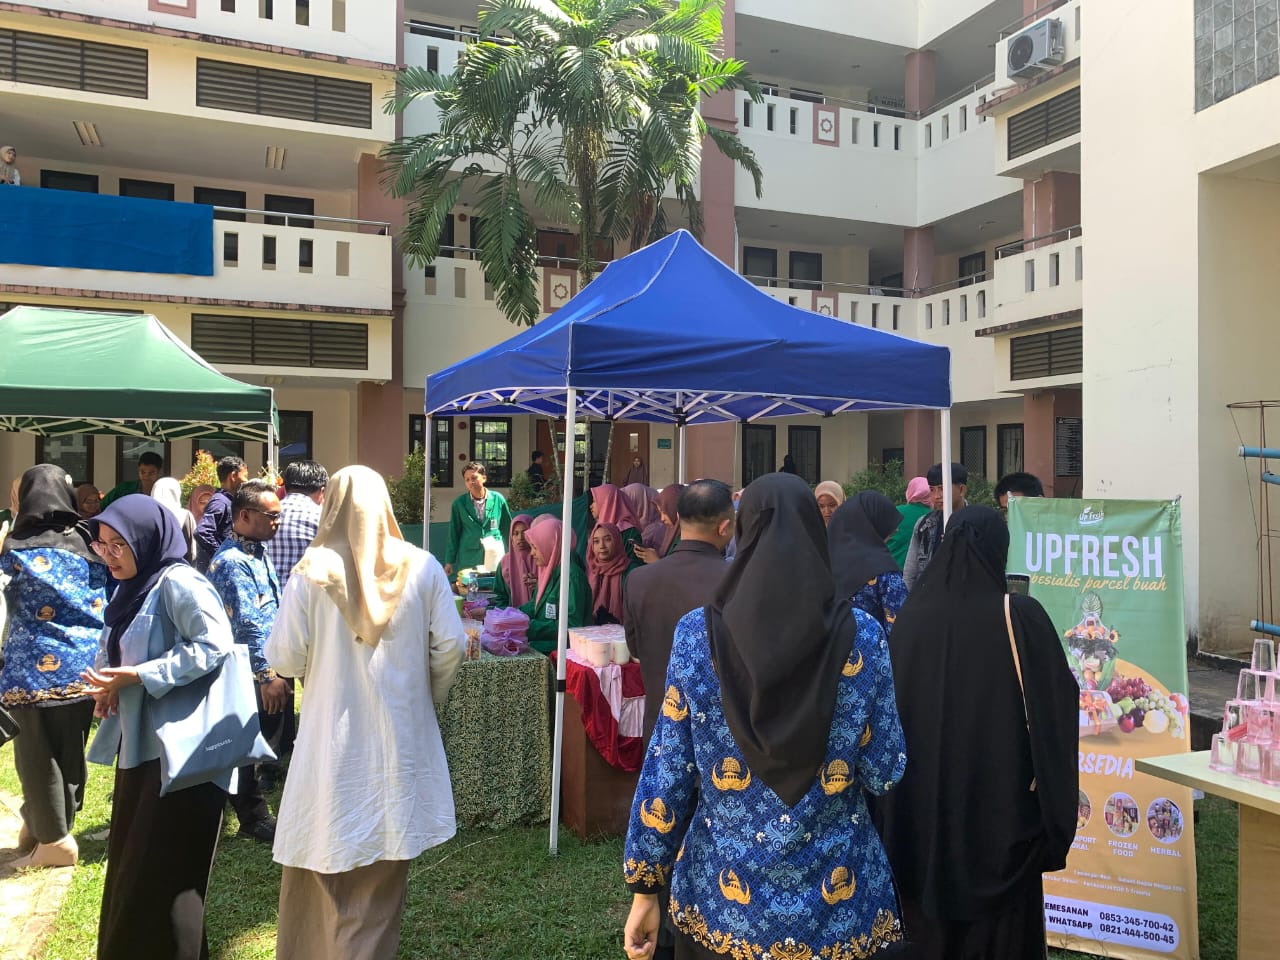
[(1037, 48)]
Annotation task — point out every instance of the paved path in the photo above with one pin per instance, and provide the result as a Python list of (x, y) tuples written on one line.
[(30, 899)]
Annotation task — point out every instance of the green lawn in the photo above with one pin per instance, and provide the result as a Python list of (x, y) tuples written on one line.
[(498, 895)]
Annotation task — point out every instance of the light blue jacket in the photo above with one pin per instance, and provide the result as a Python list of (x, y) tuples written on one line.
[(180, 634)]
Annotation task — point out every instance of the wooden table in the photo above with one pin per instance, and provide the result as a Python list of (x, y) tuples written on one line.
[(496, 727), (1258, 862)]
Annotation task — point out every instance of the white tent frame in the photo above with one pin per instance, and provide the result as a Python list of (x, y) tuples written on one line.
[(572, 407)]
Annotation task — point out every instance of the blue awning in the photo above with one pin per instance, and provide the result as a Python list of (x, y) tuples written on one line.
[(671, 334)]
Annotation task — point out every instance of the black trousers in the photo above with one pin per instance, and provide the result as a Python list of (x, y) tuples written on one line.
[(49, 757), (158, 861), (278, 730)]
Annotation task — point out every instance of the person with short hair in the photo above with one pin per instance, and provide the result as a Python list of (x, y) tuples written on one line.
[(242, 574), (537, 476), (304, 483), (475, 516), (215, 522), (928, 530), (368, 621), (1018, 484), (150, 466)]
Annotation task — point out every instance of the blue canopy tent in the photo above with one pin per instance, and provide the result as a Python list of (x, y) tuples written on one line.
[(670, 334)]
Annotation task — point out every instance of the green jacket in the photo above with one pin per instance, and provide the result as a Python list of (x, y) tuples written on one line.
[(463, 548), (121, 490), (900, 542), (542, 628)]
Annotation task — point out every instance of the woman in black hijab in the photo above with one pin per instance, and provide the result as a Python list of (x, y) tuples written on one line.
[(862, 565), (55, 594), (778, 714), (989, 799)]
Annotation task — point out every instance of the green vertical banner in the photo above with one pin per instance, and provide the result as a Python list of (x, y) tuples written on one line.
[(1109, 574)]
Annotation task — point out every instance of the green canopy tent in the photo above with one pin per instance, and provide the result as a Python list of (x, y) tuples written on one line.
[(76, 371)]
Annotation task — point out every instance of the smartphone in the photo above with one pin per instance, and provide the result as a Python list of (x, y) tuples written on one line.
[(1018, 583)]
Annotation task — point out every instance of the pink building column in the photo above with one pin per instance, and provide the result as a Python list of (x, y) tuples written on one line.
[(921, 80), (1050, 203), (381, 430), (711, 447), (919, 428), (1040, 410), (917, 257)]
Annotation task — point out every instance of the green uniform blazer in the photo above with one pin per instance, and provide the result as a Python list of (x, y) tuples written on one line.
[(542, 628), (463, 548)]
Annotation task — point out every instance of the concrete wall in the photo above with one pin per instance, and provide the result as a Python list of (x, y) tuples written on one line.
[(363, 29)]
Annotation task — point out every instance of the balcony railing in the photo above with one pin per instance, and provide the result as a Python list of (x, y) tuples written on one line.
[(156, 249), (1040, 277), (1019, 246)]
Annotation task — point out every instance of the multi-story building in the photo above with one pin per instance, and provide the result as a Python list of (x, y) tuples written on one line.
[(927, 171), (270, 111)]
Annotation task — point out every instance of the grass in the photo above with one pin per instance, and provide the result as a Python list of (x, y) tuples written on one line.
[(497, 895)]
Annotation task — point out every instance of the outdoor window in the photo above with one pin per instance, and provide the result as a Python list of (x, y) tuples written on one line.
[(805, 446), (129, 449), (146, 189), (806, 270), (221, 448), (973, 450), (295, 437), (491, 445), (73, 453), (441, 450), (760, 265), (1008, 448), (64, 180), (758, 451), (973, 268)]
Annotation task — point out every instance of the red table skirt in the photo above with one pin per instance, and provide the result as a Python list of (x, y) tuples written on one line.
[(583, 683)]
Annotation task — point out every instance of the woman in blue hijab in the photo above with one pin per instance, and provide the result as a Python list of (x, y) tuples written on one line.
[(165, 627)]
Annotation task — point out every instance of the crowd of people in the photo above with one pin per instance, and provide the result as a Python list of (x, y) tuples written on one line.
[(811, 783)]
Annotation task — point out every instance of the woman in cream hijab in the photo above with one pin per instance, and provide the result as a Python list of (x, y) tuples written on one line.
[(369, 623), (169, 492)]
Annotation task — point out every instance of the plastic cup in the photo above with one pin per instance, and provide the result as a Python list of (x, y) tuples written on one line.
[(1270, 773), (1264, 655), (1223, 753), (1248, 760), (1260, 721), (1251, 686)]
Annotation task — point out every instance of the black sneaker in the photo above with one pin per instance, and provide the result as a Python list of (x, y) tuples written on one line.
[(263, 830)]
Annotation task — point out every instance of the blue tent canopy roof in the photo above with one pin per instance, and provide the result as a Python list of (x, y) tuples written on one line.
[(671, 333)]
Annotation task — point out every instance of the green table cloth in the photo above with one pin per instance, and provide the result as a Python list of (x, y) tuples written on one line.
[(496, 727)]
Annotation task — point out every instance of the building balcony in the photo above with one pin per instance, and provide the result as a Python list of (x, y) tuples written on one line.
[(345, 30), (924, 169), (83, 244), (948, 315)]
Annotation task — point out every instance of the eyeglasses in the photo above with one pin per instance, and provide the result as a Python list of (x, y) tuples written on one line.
[(103, 549), (272, 515)]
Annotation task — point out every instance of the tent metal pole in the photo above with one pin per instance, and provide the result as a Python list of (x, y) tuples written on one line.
[(681, 469), (946, 465), (562, 612), (271, 440), (426, 485)]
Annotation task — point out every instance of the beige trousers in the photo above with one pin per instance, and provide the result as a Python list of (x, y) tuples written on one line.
[(342, 916)]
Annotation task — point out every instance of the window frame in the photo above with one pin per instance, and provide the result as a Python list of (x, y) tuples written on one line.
[(810, 257), (981, 430), (42, 455), (795, 431), (47, 177), (495, 476), (769, 253), (132, 182), (1004, 430), (772, 460)]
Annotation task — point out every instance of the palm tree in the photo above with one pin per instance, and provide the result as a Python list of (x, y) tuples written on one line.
[(590, 105)]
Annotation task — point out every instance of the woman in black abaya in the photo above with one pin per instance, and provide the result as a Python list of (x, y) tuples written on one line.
[(988, 802)]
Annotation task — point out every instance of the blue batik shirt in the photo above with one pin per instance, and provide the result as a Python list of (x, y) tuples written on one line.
[(56, 599), (752, 877), (883, 597), (245, 579)]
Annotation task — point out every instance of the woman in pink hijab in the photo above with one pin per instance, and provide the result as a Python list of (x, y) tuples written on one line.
[(607, 567), (517, 574), (917, 506), (640, 499), (609, 505), (666, 502), (544, 611)]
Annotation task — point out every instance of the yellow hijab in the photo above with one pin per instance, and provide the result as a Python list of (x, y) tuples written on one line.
[(358, 556)]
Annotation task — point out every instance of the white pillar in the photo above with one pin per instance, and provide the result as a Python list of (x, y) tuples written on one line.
[(562, 612), (946, 466), (426, 485)]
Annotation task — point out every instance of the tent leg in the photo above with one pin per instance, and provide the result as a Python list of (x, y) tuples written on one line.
[(271, 440), (426, 486), (562, 614), (680, 469), (945, 427)]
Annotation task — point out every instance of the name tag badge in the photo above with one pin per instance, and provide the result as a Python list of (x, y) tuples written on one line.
[(551, 611)]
